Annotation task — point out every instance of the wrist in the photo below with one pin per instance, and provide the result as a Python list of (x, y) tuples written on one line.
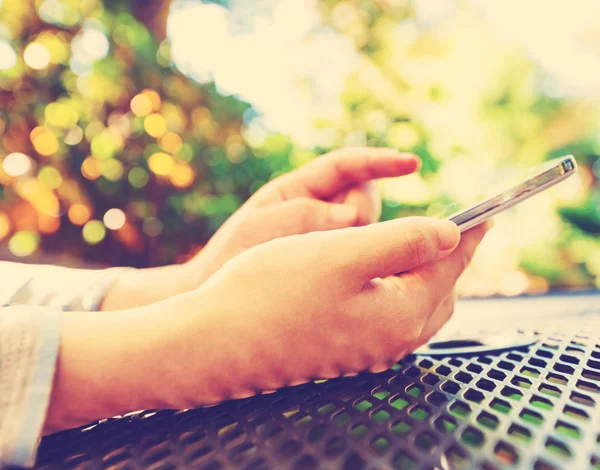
[(102, 367), (198, 269), (140, 287)]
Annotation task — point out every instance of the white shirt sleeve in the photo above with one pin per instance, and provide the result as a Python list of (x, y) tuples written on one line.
[(32, 298)]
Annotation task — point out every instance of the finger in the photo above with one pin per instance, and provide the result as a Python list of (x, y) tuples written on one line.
[(304, 215), (431, 283), (402, 306), (391, 247), (365, 197), (327, 175)]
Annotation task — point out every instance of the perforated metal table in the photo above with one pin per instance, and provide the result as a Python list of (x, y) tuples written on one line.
[(535, 407)]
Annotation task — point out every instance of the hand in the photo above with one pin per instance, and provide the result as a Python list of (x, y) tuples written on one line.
[(334, 191), (331, 192), (312, 306), (308, 306)]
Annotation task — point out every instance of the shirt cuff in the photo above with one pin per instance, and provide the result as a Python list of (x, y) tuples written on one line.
[(30, 341), (69, 289)]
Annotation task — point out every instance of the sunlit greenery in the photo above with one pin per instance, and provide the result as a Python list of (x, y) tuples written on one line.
[(112, 151)]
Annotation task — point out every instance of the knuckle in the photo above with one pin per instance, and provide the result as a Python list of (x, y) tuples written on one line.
[(331, 253), (429, 273), (463, 262), (266, 189), (339, 164), (419, 246), (328, 216), (450, 306), (413, 333), (304, 211)]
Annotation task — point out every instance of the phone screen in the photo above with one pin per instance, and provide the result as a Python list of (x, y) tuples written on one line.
[(511, 187)]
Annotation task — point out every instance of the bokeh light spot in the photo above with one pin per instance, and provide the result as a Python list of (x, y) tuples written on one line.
[(44, 141), (138, 177), (4, 225), (174, 116), (141, 105), (152, 227), (61, 115), (48, 224), (90, 168), (94, 44), (24, 243), (182, 176), (8, 57), (161, 163), (37, 56), (50, 176), (93, 129), (403, 136), (106, 144), (79, 214), (235, 153), (40, 197), (73, 136), (52, 11), (93, 232), (154, 98), (16, 164), (112, 169), (114, 219), (155, 125), (171, 142), (36, 132), (46, 144), (163, 55), (186, 153), (56, 45)]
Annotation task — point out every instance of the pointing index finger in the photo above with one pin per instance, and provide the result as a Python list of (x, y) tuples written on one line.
[(325, 176)]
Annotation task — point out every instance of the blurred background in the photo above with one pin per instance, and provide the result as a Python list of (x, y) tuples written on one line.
[(130, 130)]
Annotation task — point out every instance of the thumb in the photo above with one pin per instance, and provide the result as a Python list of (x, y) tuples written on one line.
[(304, 215), (388, 248)]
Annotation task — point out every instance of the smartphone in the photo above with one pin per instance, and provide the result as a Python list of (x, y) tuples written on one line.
[(521, 187)]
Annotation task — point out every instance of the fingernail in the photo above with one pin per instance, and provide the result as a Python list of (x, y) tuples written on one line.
[(419, 162), (341, 213), (411, 156), (448, 234)]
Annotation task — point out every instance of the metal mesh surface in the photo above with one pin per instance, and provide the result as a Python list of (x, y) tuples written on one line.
[(535, 407)]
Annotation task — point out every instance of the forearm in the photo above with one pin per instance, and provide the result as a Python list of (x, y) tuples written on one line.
[(111, 363), (102, 369), (187, 351)]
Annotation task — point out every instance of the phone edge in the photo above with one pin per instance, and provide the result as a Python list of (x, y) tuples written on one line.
[(486, 214)]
